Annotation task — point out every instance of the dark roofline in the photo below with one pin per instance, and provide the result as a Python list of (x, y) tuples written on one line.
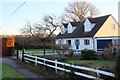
[(88, 18), (79, 31), (102, 16)]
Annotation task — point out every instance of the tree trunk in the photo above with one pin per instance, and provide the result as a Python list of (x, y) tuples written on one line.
[(44, 45)]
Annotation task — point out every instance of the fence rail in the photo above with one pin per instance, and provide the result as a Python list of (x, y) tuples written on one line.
[(39, 52), (36, 59)]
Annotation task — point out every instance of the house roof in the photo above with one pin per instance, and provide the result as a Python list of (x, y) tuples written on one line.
[(72, 23), (79, 31)]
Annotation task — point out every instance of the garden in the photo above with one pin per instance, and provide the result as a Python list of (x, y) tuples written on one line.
[(87, 58)]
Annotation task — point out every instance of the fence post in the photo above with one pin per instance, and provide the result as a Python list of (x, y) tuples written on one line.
[(23, 52), (36, 60), (44, 60), (20, 55), (17, 53), (56, 65), (98, 75)]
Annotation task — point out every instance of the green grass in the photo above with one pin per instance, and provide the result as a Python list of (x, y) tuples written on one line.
[(38, 49), (94, 63), (39, 53), (8, 72), (35, 50)]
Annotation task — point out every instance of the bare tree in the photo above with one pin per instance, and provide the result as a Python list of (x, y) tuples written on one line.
[(43, 30), (77, 11)]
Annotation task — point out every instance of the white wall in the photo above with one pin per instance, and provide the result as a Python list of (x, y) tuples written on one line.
[(81, 46), (86, 46), (95, 44), (56, 41)]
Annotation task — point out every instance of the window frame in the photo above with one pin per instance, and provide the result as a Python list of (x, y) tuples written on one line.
[(113, 26), (86, 42), (68, 42), (59, 41)]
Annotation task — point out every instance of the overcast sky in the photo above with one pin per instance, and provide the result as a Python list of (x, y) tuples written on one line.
[(33, 10)]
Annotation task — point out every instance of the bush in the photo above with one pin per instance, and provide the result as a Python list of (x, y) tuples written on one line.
[(107, 55), (60, 48), (88, 54)]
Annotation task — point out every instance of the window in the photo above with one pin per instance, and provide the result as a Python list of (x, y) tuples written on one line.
[(87, 25), (86, 42), (59, 41), (113, 26), (69, 28), (69, 42)]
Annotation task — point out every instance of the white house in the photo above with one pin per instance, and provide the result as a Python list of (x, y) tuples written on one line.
[(91, 33)]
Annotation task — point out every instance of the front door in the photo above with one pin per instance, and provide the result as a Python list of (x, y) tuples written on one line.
[(77, 44)]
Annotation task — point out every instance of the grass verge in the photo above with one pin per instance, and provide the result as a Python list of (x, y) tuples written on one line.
[(47, 51), (42, 70), (8, 72)]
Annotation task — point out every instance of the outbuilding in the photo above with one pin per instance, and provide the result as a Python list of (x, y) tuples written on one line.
[(7, 46)]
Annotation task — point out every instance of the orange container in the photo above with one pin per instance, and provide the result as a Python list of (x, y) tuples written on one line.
[(10, 42), (7, 46)]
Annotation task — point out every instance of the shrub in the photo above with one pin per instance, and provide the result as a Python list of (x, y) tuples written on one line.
[(55, 47), (60, 48), (88, 54), (107, 55), (70, 53)]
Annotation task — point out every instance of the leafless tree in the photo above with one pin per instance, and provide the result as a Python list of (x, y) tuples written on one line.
[(43, 30), (23, 40), (79, 10)]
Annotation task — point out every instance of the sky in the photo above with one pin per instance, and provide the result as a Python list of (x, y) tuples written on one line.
[(34, 10)]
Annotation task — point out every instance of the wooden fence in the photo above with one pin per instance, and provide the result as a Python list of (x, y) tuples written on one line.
[(43, 61)]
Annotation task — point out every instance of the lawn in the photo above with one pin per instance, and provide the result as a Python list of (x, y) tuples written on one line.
[(93, 63), (8, 72), (103, 64), (47, 51), (39, 53), (36, 51)]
